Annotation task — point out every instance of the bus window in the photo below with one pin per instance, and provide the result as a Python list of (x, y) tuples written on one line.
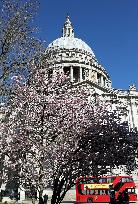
[(110, 180), (92, 192), (83, 192), (103, 192), (131, 190), (100, 180), (126, 179), (100, 192), (91, 181), (129, 179), (107, 192), (103, 180), (86, 180), (95, 180), (96, 192)]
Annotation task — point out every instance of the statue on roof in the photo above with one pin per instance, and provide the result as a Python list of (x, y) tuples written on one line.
[(132, 87)]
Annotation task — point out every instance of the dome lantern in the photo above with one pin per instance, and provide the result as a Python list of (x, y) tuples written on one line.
[(73, 56), (68, 30)]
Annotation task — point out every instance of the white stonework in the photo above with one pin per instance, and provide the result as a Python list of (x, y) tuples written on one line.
[(73, 56)]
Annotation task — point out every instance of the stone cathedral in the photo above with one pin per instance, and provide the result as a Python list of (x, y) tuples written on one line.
[(71, 55)]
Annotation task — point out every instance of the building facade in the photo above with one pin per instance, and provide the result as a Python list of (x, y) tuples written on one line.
[(73, 56)]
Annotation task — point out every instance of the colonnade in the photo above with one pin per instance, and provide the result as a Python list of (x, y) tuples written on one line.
[(72, 74), (78, 74), (101, 81)]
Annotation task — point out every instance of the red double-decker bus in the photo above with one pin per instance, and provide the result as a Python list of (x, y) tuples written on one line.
[(97, 189)]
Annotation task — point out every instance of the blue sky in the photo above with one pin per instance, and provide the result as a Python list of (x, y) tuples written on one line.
[(109, 27)]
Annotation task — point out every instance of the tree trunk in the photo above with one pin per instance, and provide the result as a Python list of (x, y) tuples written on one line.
[(40, 193), (33, 194), (57, 197), (41, 196)]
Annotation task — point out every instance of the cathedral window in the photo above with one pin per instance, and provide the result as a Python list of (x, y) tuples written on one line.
[(69, 32), (104, 81), (99, 78), (67, 54), (76, 74), (73, 54), (86, 72), (83, 73)]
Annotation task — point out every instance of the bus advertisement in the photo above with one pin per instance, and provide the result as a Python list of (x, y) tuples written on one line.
[(98, 189)]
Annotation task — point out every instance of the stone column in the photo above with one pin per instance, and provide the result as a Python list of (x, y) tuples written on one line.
[(80, 74), (102, 82), (133, 113), (71, 74), (96, 78)]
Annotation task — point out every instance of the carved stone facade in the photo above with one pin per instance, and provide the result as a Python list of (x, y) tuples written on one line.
[(74, 57)]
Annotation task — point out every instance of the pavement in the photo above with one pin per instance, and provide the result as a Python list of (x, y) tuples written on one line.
[(70, 197)]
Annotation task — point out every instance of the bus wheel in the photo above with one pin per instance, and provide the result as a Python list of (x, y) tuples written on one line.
[(89, 200)]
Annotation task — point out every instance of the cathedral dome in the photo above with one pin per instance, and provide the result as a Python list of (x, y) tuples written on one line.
[(74, 57), (70, 43)]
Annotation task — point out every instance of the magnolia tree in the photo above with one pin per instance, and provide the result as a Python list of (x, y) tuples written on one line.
[(46, 121), (54, 132), (18, 46)]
